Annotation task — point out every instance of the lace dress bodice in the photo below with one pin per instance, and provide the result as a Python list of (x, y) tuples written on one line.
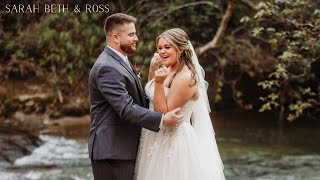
[(186, 110)]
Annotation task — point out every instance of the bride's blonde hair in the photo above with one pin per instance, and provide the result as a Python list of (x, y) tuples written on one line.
[(180, 41)]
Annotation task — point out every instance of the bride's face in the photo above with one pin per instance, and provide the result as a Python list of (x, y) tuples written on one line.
[(167, 52)]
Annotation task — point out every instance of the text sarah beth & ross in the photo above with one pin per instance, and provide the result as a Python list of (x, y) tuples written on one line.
[(55, 8)]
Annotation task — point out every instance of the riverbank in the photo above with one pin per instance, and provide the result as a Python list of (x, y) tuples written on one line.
[(249, 152), (30, 108), (31, 104), (19, 138)]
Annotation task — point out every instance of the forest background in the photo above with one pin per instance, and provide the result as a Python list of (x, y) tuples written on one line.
[(257, 55)]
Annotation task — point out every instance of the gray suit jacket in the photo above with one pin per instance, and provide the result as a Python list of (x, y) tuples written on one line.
[(118, 108)]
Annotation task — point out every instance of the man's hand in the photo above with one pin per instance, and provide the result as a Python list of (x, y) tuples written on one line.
[(171, 119)]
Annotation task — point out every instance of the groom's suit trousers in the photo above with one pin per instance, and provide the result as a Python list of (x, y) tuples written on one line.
[(113, 169)]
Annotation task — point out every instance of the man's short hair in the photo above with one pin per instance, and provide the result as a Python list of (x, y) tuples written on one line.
[(115, 20)]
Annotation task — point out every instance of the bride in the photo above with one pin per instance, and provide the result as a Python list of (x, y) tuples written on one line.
[(188, 152)]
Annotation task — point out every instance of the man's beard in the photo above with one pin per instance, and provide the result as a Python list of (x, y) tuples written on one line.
[(127, 48)]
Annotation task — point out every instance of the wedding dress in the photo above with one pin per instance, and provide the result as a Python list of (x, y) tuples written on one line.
[(177, 154)]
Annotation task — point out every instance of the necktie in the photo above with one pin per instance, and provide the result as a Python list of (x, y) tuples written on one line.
[(128, 63)]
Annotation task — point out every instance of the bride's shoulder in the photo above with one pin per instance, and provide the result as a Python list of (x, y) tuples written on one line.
[(184, 77)]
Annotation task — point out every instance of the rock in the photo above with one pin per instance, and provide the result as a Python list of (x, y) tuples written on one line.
[(70, 121), (68, 126), (15, 143), (39, 97), (7, 107), (74, 106), (31, 122), (31, 103)]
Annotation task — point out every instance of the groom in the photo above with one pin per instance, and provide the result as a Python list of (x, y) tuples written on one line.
[(118, 105)]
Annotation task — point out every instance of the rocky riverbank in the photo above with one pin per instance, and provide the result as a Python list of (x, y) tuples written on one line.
[(15, 143), (29, 108), (19, 138)]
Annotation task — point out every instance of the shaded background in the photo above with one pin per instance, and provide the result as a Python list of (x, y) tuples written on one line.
[(261, 60)]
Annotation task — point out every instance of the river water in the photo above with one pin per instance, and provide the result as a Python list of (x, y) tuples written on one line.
[(249, 152)]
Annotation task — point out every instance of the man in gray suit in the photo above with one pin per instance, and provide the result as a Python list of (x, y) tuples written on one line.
[(118, 105)]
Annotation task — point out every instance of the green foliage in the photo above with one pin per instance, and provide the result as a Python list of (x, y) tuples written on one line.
[(278, 46), (292, 30), (67, 45), (64, 45)]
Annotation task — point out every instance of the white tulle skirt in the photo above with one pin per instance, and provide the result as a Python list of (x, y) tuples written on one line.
[(175, 155)]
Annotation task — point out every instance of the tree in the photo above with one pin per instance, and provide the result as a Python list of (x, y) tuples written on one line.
[(292, 30), (223, 25)]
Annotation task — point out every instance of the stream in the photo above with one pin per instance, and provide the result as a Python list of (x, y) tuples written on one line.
[(251, 150)]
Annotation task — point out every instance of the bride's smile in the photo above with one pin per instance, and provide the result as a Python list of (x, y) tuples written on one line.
[(167, 52)]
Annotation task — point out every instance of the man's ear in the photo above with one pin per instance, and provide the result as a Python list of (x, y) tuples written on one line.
[(115, 38)]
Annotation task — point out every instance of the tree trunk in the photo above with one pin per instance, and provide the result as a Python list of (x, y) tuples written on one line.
[(223, 26)]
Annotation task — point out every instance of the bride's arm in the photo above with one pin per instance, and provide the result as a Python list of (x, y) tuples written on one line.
[(181, 91), (151, 72)]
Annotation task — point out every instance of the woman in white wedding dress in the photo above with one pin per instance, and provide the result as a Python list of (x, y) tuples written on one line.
[(188, 152)]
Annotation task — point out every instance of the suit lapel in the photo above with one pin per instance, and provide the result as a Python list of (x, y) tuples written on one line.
[(118, 58), (136, 76), (132, 72), (139, 85)]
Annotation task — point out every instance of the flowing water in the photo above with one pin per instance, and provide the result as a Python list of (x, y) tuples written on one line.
[(57, 158), (249, 152)]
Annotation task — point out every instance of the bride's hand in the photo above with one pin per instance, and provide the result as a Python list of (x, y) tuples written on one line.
[(155, 61), (161, 74)]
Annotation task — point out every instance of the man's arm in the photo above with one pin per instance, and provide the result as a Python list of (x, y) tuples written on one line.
[(112, 85)]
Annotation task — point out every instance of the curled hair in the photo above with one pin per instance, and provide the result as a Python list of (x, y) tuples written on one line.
[(180, 40)]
